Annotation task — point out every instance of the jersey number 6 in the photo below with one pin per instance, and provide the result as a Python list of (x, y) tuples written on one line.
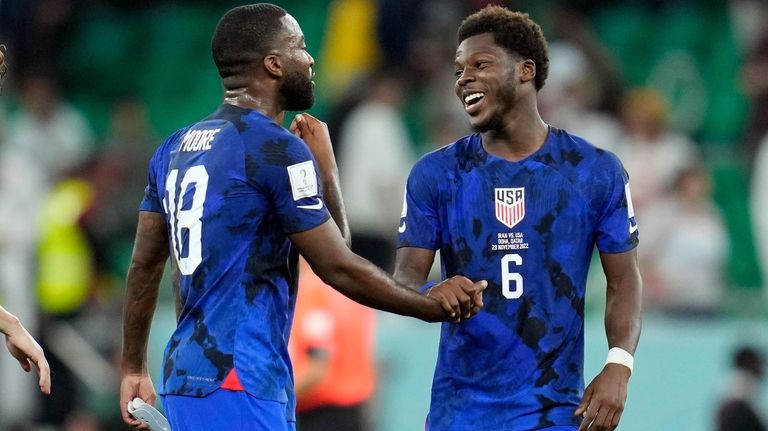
[(511, 282), (186, 217)]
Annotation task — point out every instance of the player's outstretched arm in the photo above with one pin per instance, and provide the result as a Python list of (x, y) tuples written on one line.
[(25, 349), (605, 397), (360, 280), (412, 267), (315, 133), (150, 252)]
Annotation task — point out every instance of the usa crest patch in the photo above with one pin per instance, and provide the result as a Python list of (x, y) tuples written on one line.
[(510, 205)]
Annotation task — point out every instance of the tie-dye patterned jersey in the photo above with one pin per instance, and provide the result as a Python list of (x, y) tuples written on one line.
[(529, 228), (232, 187)]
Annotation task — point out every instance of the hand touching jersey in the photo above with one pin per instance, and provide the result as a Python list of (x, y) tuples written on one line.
[(604, 399), (459, 296)]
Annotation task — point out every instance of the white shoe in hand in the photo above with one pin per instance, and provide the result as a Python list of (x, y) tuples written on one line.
[(149, 415)]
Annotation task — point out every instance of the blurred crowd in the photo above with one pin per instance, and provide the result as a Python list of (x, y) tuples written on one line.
[(70, 185)]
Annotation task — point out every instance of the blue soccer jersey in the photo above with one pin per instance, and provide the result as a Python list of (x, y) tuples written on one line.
[(529, 228), (232, 187)]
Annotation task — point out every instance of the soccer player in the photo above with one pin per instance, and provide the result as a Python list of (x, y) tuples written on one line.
[(522, 205), (234, 198)]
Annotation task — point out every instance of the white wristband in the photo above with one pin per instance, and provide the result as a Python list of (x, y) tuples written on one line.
[(617, 355)]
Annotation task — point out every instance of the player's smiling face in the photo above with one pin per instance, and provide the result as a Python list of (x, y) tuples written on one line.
[(297, 86), (486, 81)]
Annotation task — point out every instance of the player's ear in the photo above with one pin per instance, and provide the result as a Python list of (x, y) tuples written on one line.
[(527, 70), (273, 64)]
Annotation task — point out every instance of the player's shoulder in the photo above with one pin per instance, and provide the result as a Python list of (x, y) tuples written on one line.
[(575, 152), (448, 156), (172, 140)]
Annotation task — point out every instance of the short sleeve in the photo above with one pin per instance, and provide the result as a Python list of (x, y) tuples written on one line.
[(153, 199), (419, 220), (292, 181), (617, 230)]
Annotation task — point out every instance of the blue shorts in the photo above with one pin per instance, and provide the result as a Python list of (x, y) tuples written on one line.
[(227, 410)]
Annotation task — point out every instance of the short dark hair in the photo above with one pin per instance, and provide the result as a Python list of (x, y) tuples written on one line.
[(244, 35), (514, 31)]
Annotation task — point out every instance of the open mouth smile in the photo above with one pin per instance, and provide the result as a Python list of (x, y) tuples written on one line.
[(473, 101)]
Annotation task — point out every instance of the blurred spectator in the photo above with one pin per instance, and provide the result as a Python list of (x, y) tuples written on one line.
[(738, 410), (567, 100), (754, 77), (573, 26), (373, 163), (652, 154), (685, 246), (759, 207), (431, 60), (118, 177), (755, 82), (47, 134), (110, 187), (331, 347), (45, 140)]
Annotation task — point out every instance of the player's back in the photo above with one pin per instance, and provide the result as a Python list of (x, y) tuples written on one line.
[(224, 186)]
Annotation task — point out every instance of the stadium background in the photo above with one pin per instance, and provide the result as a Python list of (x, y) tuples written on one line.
[(157, 53)]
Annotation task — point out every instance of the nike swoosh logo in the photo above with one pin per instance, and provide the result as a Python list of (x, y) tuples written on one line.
[(401, 228), (632, 228), (316, 206)]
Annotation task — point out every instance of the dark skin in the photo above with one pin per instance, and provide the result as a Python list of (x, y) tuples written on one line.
[(511, 127), (326, 247)]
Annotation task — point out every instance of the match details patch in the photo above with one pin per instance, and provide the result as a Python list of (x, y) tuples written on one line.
[(303, 180), (510, 205)]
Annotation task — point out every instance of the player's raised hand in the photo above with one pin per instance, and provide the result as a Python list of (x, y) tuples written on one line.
[(315, 133), (135, 385), (26, 350), (604, 399), (459, 296)]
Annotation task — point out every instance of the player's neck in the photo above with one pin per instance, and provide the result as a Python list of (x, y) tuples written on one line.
[(246, 98), (518, 138)]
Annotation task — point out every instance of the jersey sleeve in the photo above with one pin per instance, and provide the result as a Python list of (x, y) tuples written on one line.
[(291, 179), (616, 227), (153, 198), (419, 221)]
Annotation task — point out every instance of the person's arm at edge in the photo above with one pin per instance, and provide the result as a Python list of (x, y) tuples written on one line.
[(315, 133), (24, 348), (150, 253), (604, 398)]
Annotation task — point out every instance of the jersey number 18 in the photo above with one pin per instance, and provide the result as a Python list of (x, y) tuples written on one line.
[(186, 224)]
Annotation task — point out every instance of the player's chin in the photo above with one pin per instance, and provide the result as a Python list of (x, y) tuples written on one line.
[(479, 125)]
